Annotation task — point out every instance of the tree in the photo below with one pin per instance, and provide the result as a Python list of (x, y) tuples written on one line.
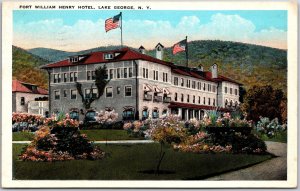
[(100, 82), (263, 101)]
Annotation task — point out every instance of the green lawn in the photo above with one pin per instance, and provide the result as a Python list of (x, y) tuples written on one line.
[(22, 136), (279, 137), (93, 135), (133, 162)]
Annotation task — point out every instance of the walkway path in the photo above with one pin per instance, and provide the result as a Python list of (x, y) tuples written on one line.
[(274, 169)]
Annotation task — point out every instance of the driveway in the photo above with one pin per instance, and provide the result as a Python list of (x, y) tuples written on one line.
[(274, 169)]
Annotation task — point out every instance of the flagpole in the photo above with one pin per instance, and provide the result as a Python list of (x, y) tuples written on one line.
[(186, 52), (121, 30)]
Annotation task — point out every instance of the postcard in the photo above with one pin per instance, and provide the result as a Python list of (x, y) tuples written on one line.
[(151, 94)]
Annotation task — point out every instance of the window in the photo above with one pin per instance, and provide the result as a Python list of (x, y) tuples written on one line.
[(230, 90), (118, 90), (208, 87), (226, 90), (75, 76), (156, 75), (130, 72), (118, 73), (94, 93), (74, 115), (188, 98), (109, 92), (71, 76), (55, 78), (155, 114), (175, 98), (165, 112), (214, 88), (125, 73), (106, 75), (214, 102), (65, 77), (208, 101), (73, 94), (146, 73), (182, 82), (226, 102), (193, 84), (199, 100), (203, 100), (65, 93), (175, 81), (203, 86), (145, 114), (128, 114), (87, 93), (108, 56), (235, 92), (59, 78), (182, 97), (111, 74), (128, 90), (22, 100), (57, 94), (199, 85), (194, 99), (93, 75), (165, 77), (188, 83)]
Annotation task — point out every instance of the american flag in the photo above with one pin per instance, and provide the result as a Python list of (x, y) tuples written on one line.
[(179, 47), (112, 23)]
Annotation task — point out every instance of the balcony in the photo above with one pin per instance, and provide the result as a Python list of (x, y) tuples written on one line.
[(147, 97), (167, 99), (157, 99)]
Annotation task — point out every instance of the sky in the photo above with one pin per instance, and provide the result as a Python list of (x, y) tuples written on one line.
[(80, 29)]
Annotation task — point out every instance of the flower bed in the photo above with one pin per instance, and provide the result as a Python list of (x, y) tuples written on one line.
[(60, 139), (26, 122)]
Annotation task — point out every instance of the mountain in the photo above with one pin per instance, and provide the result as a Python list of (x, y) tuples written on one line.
[(25, 67), (246, 63)]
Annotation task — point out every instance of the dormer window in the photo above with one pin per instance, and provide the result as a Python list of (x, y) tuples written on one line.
[(108, 56), (74, 59)]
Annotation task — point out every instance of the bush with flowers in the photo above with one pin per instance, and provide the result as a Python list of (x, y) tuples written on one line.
[(26, 121), (136, 128), (60, 139), (270, 128)]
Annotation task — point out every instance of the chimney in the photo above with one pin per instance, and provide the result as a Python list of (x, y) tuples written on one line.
[(142, 50), (200, 68), (159, 51), (214, 71)]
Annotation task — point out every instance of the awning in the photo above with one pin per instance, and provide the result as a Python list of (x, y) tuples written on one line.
[(198, 107), (147, 88), (157, 89), (166, 91)]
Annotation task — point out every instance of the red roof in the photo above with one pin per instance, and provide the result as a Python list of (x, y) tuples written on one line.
[(124, 54), (194, 106), (18, 86)]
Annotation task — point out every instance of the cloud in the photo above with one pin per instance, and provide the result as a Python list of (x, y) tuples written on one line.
[(85, 34)]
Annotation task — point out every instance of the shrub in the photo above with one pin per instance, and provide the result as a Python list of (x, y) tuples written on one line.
[(269, 128), (60, 140)]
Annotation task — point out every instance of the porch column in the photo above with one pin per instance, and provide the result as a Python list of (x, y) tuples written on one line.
[(194, 113), (187, 114), (179, 112)]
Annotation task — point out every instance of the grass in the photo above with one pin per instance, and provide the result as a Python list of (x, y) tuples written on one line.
[(279, 137), (133, 162), (22, 136), (93, 135)]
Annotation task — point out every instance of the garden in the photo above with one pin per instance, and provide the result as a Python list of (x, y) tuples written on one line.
[(194, 149)]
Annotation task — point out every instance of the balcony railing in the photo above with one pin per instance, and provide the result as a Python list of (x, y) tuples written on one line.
[(147, 97), (167, 99), (157, 99)]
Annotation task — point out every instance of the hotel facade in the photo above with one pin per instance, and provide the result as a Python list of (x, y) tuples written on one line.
[(140, 86)]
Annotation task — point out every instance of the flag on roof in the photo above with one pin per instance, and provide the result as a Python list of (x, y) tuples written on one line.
[(180, 46), (112, 23)]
